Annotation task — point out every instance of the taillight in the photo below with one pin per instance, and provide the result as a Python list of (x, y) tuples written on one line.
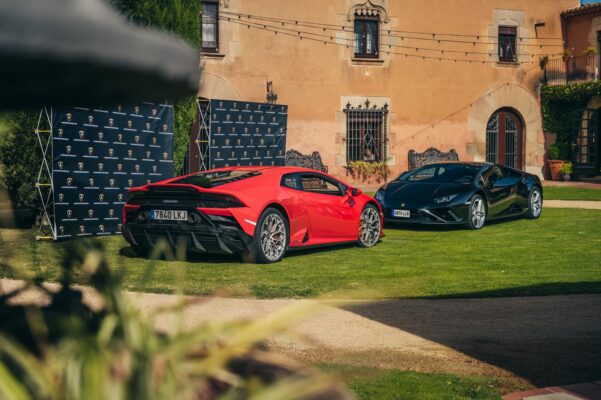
[(129, 209)]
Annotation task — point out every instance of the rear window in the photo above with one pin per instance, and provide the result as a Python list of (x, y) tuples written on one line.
[(213, 179)]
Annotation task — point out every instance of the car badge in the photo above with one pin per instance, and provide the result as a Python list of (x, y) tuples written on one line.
[(403, 205)]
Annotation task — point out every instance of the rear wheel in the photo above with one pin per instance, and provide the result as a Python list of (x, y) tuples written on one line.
[(370, 226), (270, 240), (535, 203), (141, 250), (477, 212)]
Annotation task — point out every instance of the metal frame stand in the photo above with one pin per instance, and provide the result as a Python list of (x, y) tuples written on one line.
[(44, 184), (203, 139)]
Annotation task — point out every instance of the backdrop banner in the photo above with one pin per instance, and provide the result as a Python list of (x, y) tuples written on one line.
[(237, 133), (98, 154)]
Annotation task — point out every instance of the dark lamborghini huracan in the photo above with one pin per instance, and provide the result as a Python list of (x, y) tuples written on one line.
[(460, 193)]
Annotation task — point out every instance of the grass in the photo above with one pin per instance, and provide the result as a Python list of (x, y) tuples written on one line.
[(559, 253), (571, 193), (370, 383)]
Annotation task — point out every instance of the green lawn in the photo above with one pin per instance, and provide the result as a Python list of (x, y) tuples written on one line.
[(370, 383), (571, 193), (559, 253)]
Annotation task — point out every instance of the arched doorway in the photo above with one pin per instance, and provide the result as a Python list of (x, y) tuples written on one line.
[(505, 138)]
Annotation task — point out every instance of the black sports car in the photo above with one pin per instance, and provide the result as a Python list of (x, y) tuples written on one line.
[(460, 193)]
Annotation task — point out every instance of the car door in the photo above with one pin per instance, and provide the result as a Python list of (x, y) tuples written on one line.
[(332, 212), (498, 197), (519, 191)]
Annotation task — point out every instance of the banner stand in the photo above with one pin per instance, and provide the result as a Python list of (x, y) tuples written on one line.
[(203, 139), (44, 184)]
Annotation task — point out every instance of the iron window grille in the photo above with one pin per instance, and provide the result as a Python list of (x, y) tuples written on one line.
[(507, 43), (209, 26), (367, 30), (366, 132)]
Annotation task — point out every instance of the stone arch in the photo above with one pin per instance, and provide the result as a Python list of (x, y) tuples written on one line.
[(520, 99), (213, 86)]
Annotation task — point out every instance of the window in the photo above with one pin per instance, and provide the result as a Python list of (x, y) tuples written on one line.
[(209, 26), (492, 175), (366, 129), (507, 43), (290, 181), (319, 184), (366, 37)]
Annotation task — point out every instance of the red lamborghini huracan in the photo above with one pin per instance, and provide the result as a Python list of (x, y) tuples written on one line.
[(259, 212)]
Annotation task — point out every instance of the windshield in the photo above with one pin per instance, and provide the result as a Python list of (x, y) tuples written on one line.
[(442, 173), (218, 178)]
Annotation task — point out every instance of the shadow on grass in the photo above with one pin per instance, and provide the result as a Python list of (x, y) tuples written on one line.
[(550, 340), (415, 227)]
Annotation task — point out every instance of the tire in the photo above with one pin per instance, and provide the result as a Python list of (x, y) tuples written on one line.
[(535, 203), (370, 226), (477, 213), (141, 250), (266, 247)]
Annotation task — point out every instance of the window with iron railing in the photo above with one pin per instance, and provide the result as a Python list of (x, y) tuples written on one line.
[(507, 43), (209, 26), (366, 132), (366, 36)]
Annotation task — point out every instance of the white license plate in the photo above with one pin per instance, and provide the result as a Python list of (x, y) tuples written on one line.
[(401, 213), (169, 215)]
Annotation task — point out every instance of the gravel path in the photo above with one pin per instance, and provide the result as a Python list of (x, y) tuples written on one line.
[(540, 340), (588, 205)]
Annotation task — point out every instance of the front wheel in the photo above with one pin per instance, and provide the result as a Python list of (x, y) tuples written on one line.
[(535, 204), (477, 213), (270, 241), (370, 226)]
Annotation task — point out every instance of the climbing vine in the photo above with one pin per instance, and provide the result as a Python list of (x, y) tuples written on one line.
[(365, 170), (562, 108)]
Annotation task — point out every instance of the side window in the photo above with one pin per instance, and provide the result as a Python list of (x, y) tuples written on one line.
[(290, 181), (493, 175), (319, 184)]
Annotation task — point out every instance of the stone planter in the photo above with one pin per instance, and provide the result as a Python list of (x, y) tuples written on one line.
[(566, 177)]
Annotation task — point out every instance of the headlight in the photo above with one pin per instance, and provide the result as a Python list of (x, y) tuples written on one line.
[(380, 196), (444, 199)]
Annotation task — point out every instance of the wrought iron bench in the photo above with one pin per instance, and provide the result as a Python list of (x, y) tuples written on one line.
[(429, 156), (313, 161)]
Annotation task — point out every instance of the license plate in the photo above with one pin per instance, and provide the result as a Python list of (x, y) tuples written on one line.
[(401, 213), (169, 215)]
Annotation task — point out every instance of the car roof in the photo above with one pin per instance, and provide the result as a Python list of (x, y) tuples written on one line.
[(266, 169)]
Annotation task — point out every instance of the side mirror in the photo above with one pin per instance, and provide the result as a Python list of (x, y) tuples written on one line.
[(355, 192)]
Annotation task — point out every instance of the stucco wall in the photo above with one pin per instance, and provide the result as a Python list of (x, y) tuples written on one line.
[(432, 103)]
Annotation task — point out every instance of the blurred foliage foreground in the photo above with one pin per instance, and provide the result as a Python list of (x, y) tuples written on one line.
[(69, 350)]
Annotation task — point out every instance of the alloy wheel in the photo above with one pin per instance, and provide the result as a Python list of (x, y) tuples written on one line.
[(370, 226), (273, 237), (478, 212), (536, 203)]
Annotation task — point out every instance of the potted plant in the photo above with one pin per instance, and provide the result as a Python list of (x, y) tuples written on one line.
[(554, 162), (591, 51), (566, 170)]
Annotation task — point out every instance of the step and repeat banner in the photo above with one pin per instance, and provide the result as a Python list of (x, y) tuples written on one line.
[(247, 134), (98, 154), (232, 133)]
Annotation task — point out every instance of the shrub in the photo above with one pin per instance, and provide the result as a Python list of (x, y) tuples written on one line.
[(567, 168), (553, 152), (20, 158)]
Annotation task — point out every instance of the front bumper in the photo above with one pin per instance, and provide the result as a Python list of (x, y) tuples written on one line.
[(210, 236), (455, 215)]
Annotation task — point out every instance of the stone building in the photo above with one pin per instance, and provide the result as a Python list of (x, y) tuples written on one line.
[(371, 80)]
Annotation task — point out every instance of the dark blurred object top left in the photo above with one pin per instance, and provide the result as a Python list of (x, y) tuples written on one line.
[(64, 52)]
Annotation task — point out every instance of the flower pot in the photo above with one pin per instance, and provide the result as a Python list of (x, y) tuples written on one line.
[(566, 177), (554, 167)]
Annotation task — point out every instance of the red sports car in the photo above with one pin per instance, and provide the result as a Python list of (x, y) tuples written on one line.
[(259, 212)]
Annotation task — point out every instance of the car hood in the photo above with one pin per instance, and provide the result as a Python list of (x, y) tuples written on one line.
[(419, 194)]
